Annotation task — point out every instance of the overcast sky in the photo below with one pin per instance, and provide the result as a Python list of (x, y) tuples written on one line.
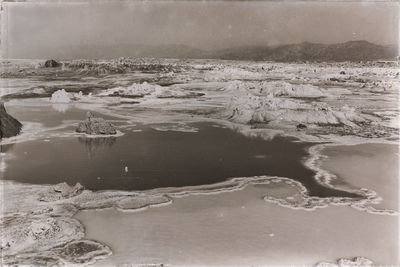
[(35, 27)]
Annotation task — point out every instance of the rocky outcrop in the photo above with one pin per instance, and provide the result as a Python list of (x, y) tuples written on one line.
[(96, 126), (61, 191), (67, 191), (301, 126), (51, 63), (9, 126)]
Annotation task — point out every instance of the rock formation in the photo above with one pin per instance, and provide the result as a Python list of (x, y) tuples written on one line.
[(67, 191), (9, 126), (301, 126), (61, 191), (95, 126), (51, 63)]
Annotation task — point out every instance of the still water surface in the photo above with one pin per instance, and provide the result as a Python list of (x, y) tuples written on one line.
[(145, 158)]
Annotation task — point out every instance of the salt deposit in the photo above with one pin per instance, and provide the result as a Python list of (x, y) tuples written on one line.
[(135, 90), (259, 104), (338, 102), (60, 96)]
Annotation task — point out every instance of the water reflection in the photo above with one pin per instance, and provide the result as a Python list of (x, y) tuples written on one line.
[(94, 145), (249, 132), (3, 156), (6, 148), (162, 159), (60, 107)]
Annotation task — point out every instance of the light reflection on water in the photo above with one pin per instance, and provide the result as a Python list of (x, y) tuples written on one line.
[(150, 158)]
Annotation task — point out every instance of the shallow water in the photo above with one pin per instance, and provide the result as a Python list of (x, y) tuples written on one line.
[(240, 228), (152, 156), (150, 159), (373, 166)]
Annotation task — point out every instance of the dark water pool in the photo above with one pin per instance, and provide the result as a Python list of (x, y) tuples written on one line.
[(151, 159)]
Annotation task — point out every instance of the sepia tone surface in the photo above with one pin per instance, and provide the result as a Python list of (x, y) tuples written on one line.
[(199, 133)]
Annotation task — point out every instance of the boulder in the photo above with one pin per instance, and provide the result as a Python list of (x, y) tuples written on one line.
[(9, 126), (51, 63), (96, 126), (301, 126)]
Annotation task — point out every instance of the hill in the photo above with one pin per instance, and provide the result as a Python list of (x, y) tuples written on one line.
[(349, 51)]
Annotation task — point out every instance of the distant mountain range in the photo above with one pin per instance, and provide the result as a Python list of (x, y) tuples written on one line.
[(348, 51)]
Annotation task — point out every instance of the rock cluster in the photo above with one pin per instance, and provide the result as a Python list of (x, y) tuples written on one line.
[(96, 126), (9, 126), (67, 191), (51, 63), (61, 191), (301, 126)]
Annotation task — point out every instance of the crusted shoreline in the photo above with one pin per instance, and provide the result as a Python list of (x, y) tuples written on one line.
[(52, 234), (38, 220), (47, 213)]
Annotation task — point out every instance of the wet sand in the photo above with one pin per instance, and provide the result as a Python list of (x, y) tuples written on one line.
[(241, 228)]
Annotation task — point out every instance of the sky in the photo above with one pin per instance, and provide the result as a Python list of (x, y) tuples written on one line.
[(36, 28)]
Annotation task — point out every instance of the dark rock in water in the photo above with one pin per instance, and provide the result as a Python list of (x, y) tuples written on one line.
[(51, 63), (9, 126), (301, 126), (95, 126), (342, 72)]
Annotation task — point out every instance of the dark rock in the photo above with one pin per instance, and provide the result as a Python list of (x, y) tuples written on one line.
[(342, 72), (301, 126), (336, 80), (359, 80), (95, 126), (9, 126), (83, 251), (51, 63)]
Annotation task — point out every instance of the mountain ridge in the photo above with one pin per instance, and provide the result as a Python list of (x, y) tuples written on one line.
[(306, 51), (348, 51)]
